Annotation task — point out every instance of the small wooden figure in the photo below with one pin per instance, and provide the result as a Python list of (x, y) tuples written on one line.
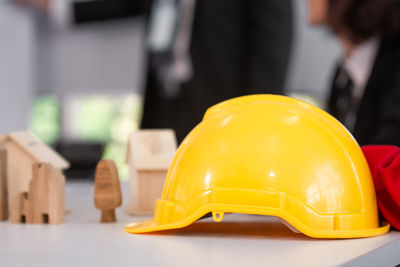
[(149, 155), (107, 191), (45, 200), (23, 150)]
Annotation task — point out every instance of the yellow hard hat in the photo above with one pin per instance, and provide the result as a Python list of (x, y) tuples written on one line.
[(270, 155)]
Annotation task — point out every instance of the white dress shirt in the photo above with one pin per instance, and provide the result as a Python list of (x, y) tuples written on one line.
[(358, 66)]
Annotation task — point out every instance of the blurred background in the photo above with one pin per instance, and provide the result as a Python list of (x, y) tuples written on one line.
[(78, 83)]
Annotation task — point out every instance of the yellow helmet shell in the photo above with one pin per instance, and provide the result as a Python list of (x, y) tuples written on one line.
[(270, 155)]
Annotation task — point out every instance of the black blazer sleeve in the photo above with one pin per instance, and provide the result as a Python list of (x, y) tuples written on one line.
[(88, 11), (388, 127)]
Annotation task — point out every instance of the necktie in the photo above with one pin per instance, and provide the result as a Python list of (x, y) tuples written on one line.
[(346, 106)]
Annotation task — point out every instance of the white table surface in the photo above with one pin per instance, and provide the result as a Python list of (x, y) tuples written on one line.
[(240, 240)]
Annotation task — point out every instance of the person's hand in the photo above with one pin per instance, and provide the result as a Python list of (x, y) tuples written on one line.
[(42, 4)]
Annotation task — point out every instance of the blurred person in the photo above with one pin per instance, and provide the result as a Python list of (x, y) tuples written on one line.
[(234, 48), (365, 94)]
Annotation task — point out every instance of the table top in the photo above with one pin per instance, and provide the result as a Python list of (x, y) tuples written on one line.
[(239, 240)]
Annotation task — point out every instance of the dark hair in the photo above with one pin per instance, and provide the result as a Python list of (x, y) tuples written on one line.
[(360, 20)]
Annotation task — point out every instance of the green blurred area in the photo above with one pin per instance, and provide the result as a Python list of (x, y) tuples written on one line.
[(97, 118), (45, 118)]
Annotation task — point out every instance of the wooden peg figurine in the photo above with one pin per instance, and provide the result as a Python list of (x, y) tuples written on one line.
[(107, 191)]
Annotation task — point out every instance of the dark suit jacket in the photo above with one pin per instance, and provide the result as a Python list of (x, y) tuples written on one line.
[(378, 117), (238, 47)]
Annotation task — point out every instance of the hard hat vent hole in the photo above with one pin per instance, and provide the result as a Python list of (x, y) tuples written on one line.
[(217, 216)]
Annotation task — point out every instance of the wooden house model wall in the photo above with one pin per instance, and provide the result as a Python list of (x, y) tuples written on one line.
[(44, 202), (149, 155)]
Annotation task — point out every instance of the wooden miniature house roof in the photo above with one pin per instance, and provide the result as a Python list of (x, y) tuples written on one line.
[(37, 150), (151, 149)]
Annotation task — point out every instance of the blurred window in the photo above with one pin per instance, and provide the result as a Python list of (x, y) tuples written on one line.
[(98, 118), (45, 118)]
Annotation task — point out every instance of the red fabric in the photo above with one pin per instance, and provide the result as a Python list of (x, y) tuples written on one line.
[(384, 163)]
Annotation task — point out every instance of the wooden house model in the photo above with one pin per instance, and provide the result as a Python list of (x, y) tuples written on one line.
[(44, 201), (149, 155), (23, 150)]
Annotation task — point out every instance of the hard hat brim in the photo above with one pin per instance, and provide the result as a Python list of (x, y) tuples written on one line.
[(152, 226)]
